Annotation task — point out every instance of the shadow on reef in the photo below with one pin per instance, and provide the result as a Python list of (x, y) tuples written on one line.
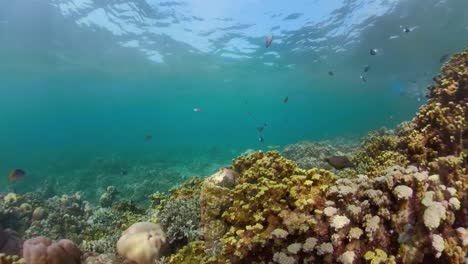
[(404, 201)]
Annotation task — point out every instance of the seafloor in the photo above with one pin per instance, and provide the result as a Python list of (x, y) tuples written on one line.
[(404, 200)]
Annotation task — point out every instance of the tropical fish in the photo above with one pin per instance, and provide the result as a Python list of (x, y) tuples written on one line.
[(339, 162), (366, 68), (273, 146), (197, 110), (373, 52), (148, 137), (286, 99), (16, 175), (444, 58), (269, 40), (260, 139), (331, 73)]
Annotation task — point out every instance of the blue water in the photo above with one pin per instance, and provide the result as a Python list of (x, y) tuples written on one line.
[(88, 80)]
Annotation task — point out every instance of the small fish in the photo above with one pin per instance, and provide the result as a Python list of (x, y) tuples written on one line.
[(363, 78), (261, 140), (197, 110), (366, 68), (269, 40), (286, 99), (148, 138), (339, 162), (123, 171), (406, 30), (16, 175), (331, 73), (273, 146), (260, 129), (373, 52), (444, 58)]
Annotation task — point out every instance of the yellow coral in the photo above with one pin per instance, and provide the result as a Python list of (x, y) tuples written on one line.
[(376, 257)]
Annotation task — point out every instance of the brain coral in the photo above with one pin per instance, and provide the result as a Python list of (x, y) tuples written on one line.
[(142, 242)]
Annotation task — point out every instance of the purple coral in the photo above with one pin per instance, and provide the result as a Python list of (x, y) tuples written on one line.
[(41, 250)]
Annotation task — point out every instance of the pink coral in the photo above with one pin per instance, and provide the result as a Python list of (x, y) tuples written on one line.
[(41, 250)]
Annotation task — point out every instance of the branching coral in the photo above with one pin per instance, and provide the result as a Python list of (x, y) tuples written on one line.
[(65, 217), (181, 219)]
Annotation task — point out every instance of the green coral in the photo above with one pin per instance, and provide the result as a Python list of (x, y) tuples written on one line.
[(193, 253)]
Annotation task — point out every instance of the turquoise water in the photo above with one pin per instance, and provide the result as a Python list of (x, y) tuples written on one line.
[(83, 82)]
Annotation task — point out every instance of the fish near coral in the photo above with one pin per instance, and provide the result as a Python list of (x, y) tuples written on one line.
[(339, 162)]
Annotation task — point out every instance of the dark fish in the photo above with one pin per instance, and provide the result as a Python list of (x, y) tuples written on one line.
[(373, 52), (363, 78), (16, 175), (123, 172), (286, 99), (268, 41), (444, 58), (366, 68), (339, 162), (260, 129), (260, 139), (406, 30), (331, 73), (148, 138)]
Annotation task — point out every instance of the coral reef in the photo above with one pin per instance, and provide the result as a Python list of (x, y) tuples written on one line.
[(387, 210), (65, 218), (440, 127), (378, 151), (404, 201), (310, 155), (108, 197)]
